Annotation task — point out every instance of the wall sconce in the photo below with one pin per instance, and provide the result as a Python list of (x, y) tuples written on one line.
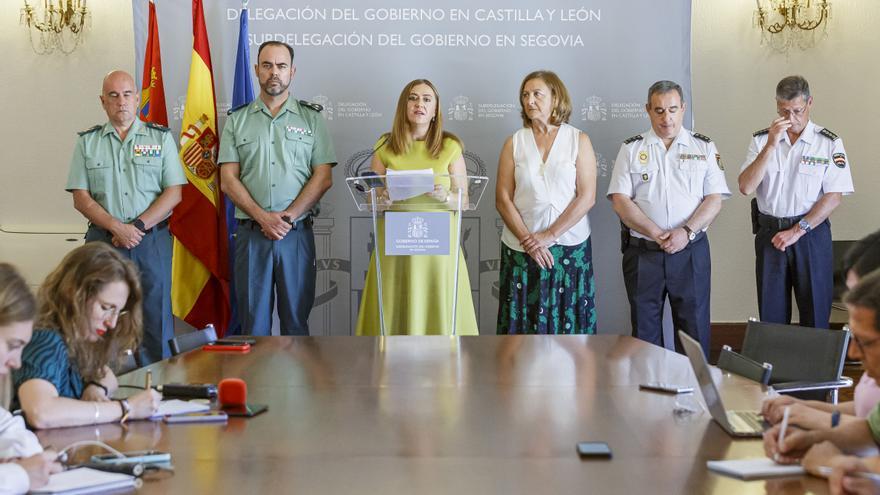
[(61, 25), (786, 23)]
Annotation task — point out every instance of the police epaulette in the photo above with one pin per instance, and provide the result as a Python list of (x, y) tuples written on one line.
[(237, 108), (829, 134), (158, 127), (702, 137), (314, 106), (761, 132), (90, 130), (637, 137)]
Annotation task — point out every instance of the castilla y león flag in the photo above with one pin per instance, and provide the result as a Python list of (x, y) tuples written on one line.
[(200, 267)]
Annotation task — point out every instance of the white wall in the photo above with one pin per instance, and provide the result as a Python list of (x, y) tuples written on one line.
[(734, 79), (46, 99)]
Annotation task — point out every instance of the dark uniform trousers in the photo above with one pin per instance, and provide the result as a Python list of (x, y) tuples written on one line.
[(806, 266), (152, 257), (650, 275), (263, 266)]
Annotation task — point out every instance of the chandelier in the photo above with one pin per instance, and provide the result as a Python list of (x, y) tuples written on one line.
[(60, 26), (787, 23)]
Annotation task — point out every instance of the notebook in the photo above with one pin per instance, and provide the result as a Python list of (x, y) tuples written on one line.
[(753, 469), (174, 407), (85, 480)]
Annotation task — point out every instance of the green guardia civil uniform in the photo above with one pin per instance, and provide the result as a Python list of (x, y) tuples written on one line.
[(125, 176), (276, 155)]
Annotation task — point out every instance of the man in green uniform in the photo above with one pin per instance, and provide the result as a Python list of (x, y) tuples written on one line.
[(126, 178), (276, 162)]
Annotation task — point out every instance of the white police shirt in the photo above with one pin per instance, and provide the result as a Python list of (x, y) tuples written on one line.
[(798, 175), (668, 185)]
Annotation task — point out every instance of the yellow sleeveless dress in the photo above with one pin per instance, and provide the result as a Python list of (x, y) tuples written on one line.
[(417, 290)]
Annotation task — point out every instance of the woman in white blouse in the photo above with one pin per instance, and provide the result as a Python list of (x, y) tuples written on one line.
[(23, 463), (546, 185)]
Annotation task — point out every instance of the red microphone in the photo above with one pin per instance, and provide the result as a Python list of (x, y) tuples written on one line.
[(232, 392)]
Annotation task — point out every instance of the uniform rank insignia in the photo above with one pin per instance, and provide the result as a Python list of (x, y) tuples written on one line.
[(643, 157), (718, 159), (148, 150), (299, 130), (829, 134), (839, 160), (690, 156), (815, 160), (645, 177)]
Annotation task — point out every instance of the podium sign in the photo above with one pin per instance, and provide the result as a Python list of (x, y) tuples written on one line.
[(416, 233)]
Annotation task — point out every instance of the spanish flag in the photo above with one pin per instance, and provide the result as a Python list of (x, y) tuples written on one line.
[(152, 107), (200, 267)]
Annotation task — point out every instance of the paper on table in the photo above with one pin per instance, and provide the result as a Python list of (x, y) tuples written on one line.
[(85, 480), (750, 469), (176, 406), (405, 184)]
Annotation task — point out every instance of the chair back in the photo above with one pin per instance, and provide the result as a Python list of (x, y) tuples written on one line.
[(797, 353), (192, 340), (730, 360), (125, 363)]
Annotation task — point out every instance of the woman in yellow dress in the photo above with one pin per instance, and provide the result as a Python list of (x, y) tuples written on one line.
[(417, 291)]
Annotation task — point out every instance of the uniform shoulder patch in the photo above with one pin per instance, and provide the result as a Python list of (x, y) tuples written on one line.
[(153, 125), (761, 132), (637, 137), (702, 137), (233, 109), (90, 130), (829, 134), (313, 106)]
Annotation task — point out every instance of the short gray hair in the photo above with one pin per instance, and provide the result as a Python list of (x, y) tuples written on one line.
[(791, 87), (664, 87)]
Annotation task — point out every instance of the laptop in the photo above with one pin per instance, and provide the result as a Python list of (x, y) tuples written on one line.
[(735, 423)]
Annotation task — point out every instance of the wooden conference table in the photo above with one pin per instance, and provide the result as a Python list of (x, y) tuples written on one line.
[(489, 414)]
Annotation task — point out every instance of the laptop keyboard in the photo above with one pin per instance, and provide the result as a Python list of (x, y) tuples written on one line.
[(753, 419)]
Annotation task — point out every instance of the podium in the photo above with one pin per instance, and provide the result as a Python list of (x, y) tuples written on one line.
[(416, 208)]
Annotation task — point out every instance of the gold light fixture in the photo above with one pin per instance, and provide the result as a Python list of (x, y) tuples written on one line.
[(787, 23), (61, 25)]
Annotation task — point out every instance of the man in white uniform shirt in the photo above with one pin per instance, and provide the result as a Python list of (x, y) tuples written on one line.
[(667, 187), (798, 171)]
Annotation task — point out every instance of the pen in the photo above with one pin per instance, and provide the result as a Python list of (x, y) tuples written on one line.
[(835, 418), (782, 429), (826, 471), (149, 384)]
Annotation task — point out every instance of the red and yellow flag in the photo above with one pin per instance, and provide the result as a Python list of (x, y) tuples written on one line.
[(152, 107), (200, 267)]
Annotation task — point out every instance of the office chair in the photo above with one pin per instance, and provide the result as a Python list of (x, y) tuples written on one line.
[(192, 340), (807, 362), (125, 363)]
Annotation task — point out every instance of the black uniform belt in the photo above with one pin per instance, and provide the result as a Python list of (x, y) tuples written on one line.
[(649, 245), (778, 223), (247, 222)]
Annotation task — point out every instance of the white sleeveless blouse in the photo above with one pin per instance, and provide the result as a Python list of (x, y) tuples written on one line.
[(542, 191)]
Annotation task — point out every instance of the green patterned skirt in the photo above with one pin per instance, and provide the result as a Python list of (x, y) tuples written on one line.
[(560, 300)]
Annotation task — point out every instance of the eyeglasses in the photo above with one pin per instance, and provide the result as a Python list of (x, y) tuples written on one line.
[(862, 345), (796, 112), (110, 311)]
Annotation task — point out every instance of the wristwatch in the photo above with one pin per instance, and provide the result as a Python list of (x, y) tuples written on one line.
[(805, 225), (139, 224), (126, 410), (691, 234)]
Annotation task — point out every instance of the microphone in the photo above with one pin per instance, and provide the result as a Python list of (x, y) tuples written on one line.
[(188, 391), (233, 398), (232, 392)]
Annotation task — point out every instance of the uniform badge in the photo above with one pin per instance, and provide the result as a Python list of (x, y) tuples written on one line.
[(718, 159), (645, 177), (299, 130), (839, 160), (689, 156), (643, 157), (147, 150), (816, 160)]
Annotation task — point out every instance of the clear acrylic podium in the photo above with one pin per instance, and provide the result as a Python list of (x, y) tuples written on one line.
[(406, 192)]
